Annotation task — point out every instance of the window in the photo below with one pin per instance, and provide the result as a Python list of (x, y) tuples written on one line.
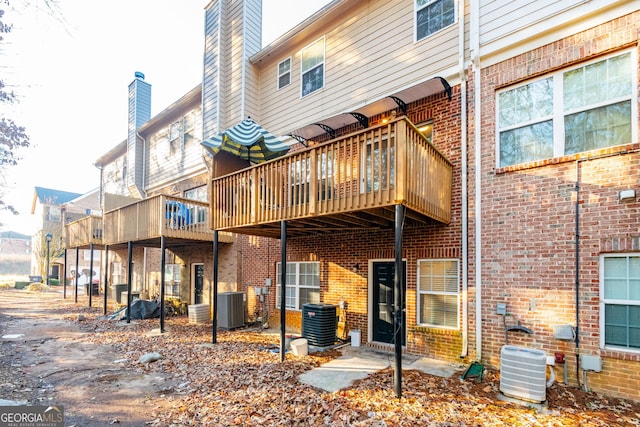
[(172, 280), (313, 67), (284, 73), (433, 15), (579, 109), (438, 292), (55, 214), (620, 301), (175, 137), (303, 284)]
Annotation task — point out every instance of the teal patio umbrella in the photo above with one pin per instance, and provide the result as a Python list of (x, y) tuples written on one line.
[(249, 141)]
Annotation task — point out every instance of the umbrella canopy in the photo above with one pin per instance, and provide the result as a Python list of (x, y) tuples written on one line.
[(249, 141)]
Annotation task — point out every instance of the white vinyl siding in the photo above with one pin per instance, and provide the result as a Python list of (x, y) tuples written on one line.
[(620, 301), (583, 108), (303, 284), (358, 67), (312, 67), (438, 292)]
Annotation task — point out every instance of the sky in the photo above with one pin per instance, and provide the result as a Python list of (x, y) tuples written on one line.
[(71, 69)]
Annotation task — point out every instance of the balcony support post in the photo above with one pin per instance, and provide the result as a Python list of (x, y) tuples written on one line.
[(129, 278), (283, 287), (64, 276), (90, 285), (163, 264), (254, 199), (398, 299), (76, 276), (214, 327), (106, 277)]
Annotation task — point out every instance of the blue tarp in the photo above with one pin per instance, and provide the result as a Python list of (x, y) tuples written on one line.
[(178, 214)]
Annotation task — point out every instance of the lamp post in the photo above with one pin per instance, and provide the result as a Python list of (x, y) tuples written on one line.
[(48, 238)]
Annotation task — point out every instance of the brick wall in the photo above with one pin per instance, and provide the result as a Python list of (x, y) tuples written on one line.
[(344, 256), (529, 223)]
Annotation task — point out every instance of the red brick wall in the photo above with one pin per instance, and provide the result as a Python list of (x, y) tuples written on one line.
[(529, 223), (339, 253)]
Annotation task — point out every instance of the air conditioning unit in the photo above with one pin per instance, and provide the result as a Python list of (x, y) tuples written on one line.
[(523, 373), (231, 310)]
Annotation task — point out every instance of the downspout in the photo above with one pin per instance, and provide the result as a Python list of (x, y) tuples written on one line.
[(577, 278), (475, 61), (463, 161)]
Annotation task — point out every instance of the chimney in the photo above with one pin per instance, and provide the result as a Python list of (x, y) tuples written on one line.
[(139, 113)]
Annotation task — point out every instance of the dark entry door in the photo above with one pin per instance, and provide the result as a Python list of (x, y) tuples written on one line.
[(383, 295), (198, 283)]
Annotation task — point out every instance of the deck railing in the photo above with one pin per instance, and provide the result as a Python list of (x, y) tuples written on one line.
[(84, 232), (158, 216), (384, 165)]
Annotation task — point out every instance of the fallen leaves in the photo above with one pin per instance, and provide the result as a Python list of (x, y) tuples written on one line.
[(240, 381)]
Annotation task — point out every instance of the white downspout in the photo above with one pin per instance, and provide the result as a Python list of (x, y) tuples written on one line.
[(244, 61), (475, 61), (463, 155)]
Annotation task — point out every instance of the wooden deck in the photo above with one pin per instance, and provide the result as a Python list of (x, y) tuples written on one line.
[(180, 221), (347, 183)]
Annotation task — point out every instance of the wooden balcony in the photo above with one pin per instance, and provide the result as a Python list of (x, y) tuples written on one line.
[(352, 182), (145, 221), (84, 232), (181, 221)]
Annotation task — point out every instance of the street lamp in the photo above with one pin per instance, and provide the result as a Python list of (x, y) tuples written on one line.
[(48, 238)]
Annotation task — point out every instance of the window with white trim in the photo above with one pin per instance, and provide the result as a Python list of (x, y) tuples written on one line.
[(438, 293), (620, 301), (570, 111), (433, 15), (312, 67), (284, 73), (303, 284)]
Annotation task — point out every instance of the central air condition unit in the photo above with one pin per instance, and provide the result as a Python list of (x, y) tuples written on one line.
[(231, 310), (319, 324), (523, 373)]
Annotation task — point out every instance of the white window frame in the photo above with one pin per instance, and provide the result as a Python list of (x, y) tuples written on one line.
[(421, 292), (282, 74), (322, 63), (604, 301), (426, 3), (295, 287), (558, 115)]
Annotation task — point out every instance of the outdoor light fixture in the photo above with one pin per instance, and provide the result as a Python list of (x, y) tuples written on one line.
[(48, 238), (626, 195)]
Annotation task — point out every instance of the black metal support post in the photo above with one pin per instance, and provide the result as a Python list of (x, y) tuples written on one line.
[(214, 326), (64, 276), (106, 277), (398, 299), (75, 285), (283, 288), (129, 279), (90, 285), (163, 260)]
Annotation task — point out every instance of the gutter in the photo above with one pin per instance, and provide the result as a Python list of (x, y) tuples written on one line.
[(477, 95), (465, 205)]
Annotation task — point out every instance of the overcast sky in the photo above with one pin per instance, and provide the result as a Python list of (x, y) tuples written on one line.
[(71, 72)]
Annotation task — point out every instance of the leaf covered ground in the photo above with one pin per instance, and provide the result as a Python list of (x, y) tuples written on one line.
[(240, 381)]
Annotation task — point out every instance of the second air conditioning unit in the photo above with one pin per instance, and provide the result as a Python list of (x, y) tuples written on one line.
[(523, 373), (231, 310)]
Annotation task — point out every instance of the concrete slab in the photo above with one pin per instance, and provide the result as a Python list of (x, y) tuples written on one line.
[(358, 362)]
